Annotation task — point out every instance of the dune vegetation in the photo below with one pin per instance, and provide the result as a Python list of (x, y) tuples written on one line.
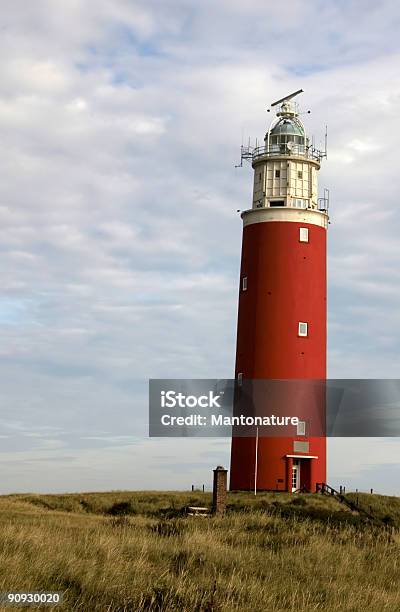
[(124, 551)]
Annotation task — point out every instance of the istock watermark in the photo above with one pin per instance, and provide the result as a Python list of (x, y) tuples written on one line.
[(171, 399), (214, 408)]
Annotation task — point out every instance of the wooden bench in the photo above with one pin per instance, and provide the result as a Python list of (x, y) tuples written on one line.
[(197, 511)]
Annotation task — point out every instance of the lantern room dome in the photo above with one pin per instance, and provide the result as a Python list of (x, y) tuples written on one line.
[(287, 127), (286, 137)]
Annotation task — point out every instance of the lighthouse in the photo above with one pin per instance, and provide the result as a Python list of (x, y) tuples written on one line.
[(281, 331)]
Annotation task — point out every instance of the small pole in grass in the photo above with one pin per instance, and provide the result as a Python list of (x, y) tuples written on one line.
[(256, 466), (192, 488), (372, 491), (203, 488)]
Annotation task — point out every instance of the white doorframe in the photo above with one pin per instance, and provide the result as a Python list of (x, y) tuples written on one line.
[(295, 475)]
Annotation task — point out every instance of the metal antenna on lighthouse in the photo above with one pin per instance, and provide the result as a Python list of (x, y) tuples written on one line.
[(287, 98)]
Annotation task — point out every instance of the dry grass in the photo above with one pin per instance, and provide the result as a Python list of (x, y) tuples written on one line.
[(270, 553)]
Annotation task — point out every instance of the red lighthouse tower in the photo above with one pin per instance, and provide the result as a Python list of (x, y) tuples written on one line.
[(281, 330)]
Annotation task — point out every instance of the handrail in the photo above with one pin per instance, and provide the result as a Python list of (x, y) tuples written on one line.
[(322, 487), (282, 150)]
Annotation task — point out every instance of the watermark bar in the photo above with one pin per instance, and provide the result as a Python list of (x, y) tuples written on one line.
[(274, 408)]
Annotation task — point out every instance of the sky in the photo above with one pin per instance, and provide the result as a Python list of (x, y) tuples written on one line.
[(120, 127)]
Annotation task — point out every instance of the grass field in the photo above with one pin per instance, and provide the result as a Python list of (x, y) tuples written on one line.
[(125, 551)]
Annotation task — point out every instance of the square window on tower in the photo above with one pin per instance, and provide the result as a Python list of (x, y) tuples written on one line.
[(277, 173), (303, 329), (301, 428), (244, 283), (300, 174), (303, 234)]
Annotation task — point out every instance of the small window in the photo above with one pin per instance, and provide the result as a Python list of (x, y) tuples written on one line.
[(260, 176), (303, 329), (303, 234), (244, 283), (277, 203), (301, 428), (277, 173), (240, 378), (300, 174)]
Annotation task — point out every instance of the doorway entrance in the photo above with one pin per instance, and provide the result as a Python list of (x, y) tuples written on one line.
[(296, 475)]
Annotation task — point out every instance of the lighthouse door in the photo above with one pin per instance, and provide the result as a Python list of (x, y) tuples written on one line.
[(295, 475)]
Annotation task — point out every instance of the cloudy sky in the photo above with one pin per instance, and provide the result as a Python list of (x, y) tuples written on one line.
[(120, 126)]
